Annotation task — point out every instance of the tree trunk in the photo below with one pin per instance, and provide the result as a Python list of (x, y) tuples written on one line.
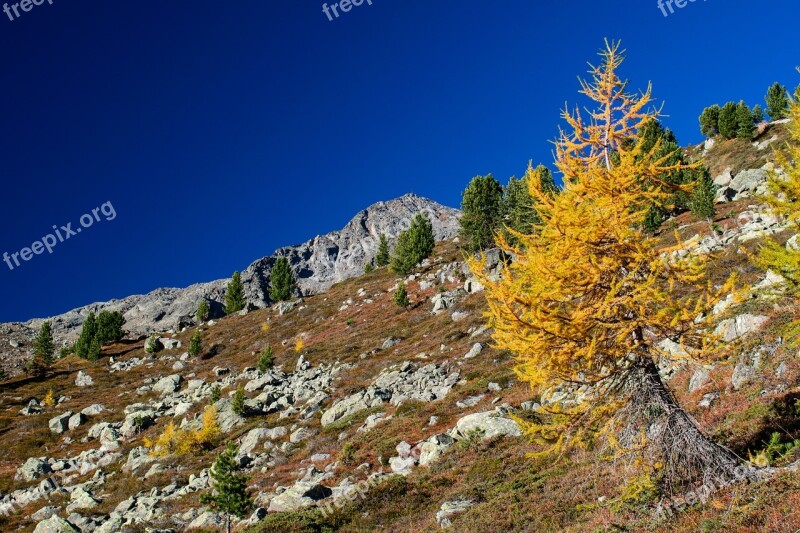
[(687, 454), (228, 522)]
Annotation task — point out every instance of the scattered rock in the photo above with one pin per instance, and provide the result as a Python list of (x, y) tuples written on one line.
[(450, 508), (83, 379)]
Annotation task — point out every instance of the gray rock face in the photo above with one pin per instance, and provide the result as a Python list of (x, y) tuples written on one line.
[(317, 264), (734, 328)]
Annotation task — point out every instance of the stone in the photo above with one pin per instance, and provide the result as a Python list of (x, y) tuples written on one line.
[(390, 343), (449, 509), (54, 524), (32, 469), (45, 512), (489, 424), (76, 420), (80, 499), (170, 344), (93, 410), (83, 379), (251, 440), (208, 520), (168, 384), (698, 379), (433, 448), (302, 494), (60, 423), (476, 349), (733, 328), (301, 434)]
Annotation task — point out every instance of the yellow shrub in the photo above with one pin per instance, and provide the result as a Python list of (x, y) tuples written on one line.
[(49, 399), (299, 345), (182, 441)]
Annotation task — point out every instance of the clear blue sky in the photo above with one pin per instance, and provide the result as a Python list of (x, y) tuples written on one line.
[(220, 131)]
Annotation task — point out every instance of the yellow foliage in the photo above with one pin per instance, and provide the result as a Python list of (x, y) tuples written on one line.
[(589, 294), (264, 327), (783, 197), (49, 399), (299, 345), (174, 440)]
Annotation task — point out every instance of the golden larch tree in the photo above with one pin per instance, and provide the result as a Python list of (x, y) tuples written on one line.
[(588, 297), (783, 198)]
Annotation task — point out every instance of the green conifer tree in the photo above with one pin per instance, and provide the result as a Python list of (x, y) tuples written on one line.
[(709, 121), (413, 245), (728, 123), (744, 121), (95, 348), (519, 208), (109, 327), (44, 350), (202, 311), (234, 296), (88, 333), (777, 102), (481, 212), (401, 296), (229, 493), (195, 344), (382, 257), (266, 360), (237, 404), (703, 194), (282, 285)]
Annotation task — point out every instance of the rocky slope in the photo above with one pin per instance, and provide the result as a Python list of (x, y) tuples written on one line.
[(317, 263)]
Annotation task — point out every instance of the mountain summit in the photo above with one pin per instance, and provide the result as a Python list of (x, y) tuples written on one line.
[(317, 265)]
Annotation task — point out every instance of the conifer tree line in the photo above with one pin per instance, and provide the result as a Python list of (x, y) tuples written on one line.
[(489, 209), (734, 120)]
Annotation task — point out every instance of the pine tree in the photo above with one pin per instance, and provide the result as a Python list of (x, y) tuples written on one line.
[(266, 360), (368, 268), (758, 114), (282, 285), (88, 333), (654, 137), (401, 296), (234, 296), (44, 350), (782, 198), (109, 327), (95, 349), (237, 404), (519, 208), (413, 245), (195, 344), (709, 121), (728, 123), (153, 344), (744, 121), (229, 492), (589, 296), (703, 194), (382, 257), (777, 102), (202, 311), (481, 212)]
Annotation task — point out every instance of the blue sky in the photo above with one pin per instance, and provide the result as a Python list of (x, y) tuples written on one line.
[(220, 131)]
